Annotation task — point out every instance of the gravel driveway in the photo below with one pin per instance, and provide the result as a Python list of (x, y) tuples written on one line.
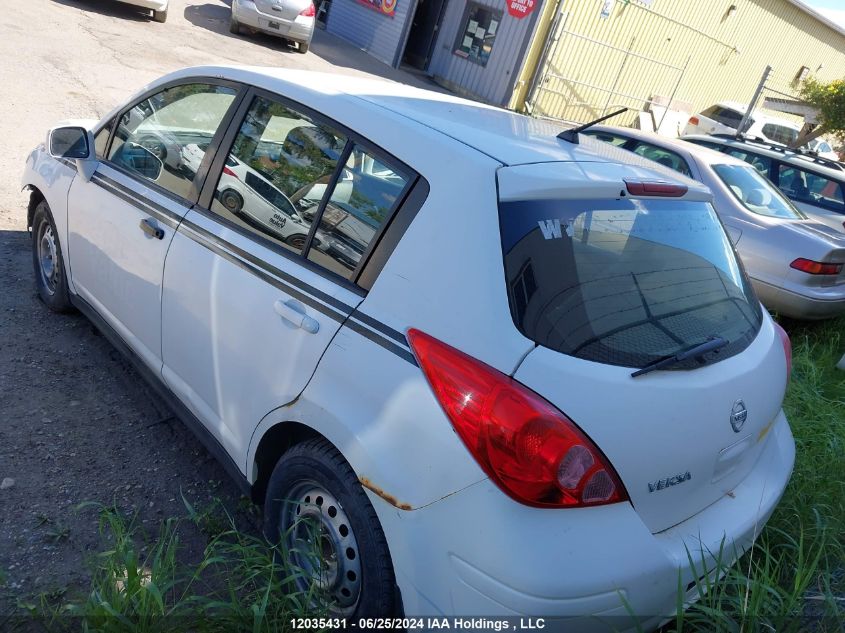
[(76, 421)]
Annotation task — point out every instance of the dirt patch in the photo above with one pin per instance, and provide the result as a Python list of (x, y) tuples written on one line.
[(77, 424)]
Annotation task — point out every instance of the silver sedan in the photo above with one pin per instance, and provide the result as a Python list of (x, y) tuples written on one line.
[(795, 263), (292, 20)]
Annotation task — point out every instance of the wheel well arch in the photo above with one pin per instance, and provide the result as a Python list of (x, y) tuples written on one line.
[(35, 198), (277, 440)]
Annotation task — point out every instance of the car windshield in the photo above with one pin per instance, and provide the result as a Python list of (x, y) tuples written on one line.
[(756, 193), (625, 282)]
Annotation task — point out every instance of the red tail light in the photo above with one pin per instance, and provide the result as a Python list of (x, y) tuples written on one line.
[(533, 452), (309, 11), (693, 120), (816, 268), (787, 347), (656, 188), (229, 172)]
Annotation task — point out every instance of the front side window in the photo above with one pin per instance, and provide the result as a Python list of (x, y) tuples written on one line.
[(277, 172), (163, 139), (477, 33), (810, 188), (756, 193), (624, 282), (361, 202), (663, 156)]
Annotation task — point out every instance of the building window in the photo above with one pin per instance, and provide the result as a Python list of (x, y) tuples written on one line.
[(479, 27)]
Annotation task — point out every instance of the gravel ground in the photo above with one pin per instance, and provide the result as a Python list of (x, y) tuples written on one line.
[(77, 423)]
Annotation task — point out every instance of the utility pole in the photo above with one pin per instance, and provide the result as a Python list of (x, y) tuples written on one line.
[(743, 125)]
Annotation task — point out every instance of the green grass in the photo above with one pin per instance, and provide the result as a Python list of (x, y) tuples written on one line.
[(793, 579), (144, 585)]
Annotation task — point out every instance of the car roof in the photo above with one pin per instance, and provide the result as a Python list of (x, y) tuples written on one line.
[(804, 161), (704, 154), (506, 136)]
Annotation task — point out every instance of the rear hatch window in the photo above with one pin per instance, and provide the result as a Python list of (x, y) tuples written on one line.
[(625, 282)]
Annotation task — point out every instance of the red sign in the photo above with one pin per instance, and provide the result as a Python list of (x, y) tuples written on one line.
[(385, 7), (520, 8)]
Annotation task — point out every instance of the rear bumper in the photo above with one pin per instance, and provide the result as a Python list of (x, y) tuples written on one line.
[(824, 303), (477, 552), (156, 5), (247, 14)]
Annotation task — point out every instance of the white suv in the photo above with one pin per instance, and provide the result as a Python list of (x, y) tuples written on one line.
[(523, 376)]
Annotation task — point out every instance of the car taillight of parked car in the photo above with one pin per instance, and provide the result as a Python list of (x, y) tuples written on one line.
[(533, 452), (693, 120), (229, 172), (308, 12), (787, 347), (816, 268)]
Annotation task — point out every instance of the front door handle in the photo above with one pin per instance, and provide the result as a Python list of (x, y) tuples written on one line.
[(149, 227), (293, 312)]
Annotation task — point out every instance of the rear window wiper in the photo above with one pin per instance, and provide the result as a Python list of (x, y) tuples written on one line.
[(697, 352)]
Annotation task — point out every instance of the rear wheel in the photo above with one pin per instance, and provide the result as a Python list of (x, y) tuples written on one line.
[(297, 241), (160, 16), (302, 47), (318, 511), (47, 260), (232, 200)]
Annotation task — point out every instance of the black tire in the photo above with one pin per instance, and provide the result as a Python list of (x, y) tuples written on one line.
[(315, 465), (48, 262), (302, 47), (160, 16), (297, 240), (232, 201)]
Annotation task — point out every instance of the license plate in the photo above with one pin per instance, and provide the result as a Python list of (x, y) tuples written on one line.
[(274, 25)]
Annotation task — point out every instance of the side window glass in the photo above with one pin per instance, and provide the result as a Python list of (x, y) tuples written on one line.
[(163, 139), (277, 172), (663, 156), (760, 163), (101, 139), (608, 137), (810, 188), (361, 202)]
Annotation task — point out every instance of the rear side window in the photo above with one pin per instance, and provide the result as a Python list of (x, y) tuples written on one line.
[(756, 193), (780, 133), (663, 156), (624, 282), (810, 188)]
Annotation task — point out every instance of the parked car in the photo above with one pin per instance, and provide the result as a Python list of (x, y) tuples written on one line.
[(292, 20), (725, 118), (824, 149), (440, 410), (815, 185), (158, 7), (795, 263)]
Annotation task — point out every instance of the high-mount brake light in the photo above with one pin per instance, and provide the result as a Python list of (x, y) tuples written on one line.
[(533, 452), (656, 188)]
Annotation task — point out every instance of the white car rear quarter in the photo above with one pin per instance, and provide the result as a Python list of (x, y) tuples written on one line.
[(458, 543)]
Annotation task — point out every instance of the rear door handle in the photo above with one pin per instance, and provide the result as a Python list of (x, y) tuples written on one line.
[(149, 226), (294, 313)]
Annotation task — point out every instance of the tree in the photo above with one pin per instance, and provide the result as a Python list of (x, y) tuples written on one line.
[(829, 101)]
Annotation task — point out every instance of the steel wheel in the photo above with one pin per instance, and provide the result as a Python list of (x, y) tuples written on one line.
[(319, 537), (297, 241), (231, 200), (48, 262)]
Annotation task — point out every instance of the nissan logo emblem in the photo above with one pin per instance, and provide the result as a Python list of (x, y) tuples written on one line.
[(739, 414)]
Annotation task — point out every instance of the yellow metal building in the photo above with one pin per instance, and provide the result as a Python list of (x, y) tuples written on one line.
[(588, 56)]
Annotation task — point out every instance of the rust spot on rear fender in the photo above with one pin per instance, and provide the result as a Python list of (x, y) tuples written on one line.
[(369, 485)]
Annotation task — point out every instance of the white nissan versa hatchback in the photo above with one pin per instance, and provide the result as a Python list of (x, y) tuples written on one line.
[(524, 375)]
